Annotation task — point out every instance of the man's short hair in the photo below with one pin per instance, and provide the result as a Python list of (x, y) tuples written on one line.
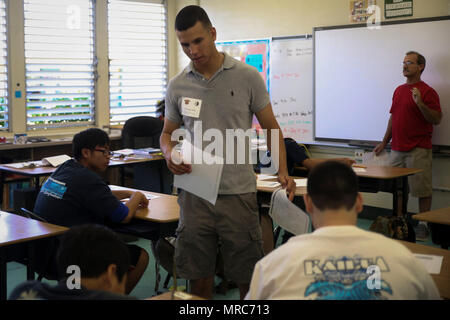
[(188, 17), (92, 248), (89, 139), (420, 58), (332, 185)]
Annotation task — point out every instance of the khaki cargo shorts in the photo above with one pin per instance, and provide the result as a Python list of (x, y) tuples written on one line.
[(420, 184), (233, 223)]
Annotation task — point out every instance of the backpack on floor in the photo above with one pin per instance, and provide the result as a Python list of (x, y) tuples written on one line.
[(394, 227)]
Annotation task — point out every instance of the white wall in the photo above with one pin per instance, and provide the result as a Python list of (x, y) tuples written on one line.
[(253, 19)]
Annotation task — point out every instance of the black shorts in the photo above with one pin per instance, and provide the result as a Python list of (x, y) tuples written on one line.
[(135, 253)]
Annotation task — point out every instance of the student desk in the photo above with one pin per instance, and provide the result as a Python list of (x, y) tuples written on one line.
[(15, 229), (38, 172), (442, 280), (439, 224), (440, 216), (371, 181), (164, 209)]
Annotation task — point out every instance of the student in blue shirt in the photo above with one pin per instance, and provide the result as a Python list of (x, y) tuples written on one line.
[(75, 194)]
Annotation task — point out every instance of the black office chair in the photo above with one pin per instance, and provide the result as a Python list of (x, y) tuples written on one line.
[(43, 254), (144, 132)]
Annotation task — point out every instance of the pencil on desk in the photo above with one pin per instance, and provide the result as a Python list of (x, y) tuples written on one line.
[(359, 166)]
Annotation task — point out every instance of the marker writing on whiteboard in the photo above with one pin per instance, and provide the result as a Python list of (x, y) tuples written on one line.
[(232, 93)]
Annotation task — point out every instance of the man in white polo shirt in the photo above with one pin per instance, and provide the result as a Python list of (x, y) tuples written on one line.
[(222, 93)]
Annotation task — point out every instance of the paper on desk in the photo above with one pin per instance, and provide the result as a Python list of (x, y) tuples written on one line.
[(25, 165), (147, 195), (369, 158), (301, 182), (286, 214), (267, 184), (125, 152), (431, 262), (265, 176), (358, 169), (204, 179)]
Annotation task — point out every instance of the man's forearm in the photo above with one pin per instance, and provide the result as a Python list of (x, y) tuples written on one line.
[(166, 143), (388, 135), (430, 115)]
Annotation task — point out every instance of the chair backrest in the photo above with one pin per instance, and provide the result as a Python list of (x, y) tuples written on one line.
[(32, 215), (43, 255), (142, 132)]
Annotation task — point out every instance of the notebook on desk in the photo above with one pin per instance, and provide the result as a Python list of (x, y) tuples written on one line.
[(55, 161)]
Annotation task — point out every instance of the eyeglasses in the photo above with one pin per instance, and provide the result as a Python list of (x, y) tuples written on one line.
[(408, 63), (105, 152)]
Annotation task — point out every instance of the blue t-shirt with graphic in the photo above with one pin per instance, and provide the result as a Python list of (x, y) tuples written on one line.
[(75, 195)]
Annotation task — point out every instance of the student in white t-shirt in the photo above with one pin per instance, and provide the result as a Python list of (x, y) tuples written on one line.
[(339, 260)]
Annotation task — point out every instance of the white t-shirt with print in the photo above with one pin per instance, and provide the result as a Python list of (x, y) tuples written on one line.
[(341, 262)]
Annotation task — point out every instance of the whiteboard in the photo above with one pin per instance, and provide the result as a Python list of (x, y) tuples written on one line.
[(291, 86), (357, 70)]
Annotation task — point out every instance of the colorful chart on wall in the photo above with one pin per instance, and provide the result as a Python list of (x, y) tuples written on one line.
[(251, 52)]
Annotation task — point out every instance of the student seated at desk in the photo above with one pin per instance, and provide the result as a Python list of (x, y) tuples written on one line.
[(103, 262), (339, 260), (296, 155), (75, 194)]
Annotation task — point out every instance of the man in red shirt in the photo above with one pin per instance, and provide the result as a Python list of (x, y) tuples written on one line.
[(415, 109)]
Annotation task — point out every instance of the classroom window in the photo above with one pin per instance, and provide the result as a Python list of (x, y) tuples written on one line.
[(59, 61), (4, 115), (137, 58)]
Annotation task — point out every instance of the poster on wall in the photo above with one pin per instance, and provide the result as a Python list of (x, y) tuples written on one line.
[(398, 8), (358, 10), (251, 52)]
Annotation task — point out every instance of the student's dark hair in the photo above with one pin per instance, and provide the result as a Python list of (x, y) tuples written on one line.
[(332, 185), (92, 248), (420, 58), (89, 139), (188, 17)]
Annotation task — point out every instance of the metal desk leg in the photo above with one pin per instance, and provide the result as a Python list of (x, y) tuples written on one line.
[(30, 266), (405, 196), (3, 274), (394, 197), (122, 176)]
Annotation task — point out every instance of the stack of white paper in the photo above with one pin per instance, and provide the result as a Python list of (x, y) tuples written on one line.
[(267, 184), (204, 179)]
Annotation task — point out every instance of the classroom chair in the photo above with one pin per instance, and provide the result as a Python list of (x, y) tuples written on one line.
[(144, 132)]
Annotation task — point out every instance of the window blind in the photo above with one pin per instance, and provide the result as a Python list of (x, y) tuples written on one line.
[(59, 61), (4, 122), (137, 58)]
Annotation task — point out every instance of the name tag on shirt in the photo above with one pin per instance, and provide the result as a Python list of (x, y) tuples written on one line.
[(190, 107)]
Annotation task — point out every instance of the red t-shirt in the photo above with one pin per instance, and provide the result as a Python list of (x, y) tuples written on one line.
[(409, 127)]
